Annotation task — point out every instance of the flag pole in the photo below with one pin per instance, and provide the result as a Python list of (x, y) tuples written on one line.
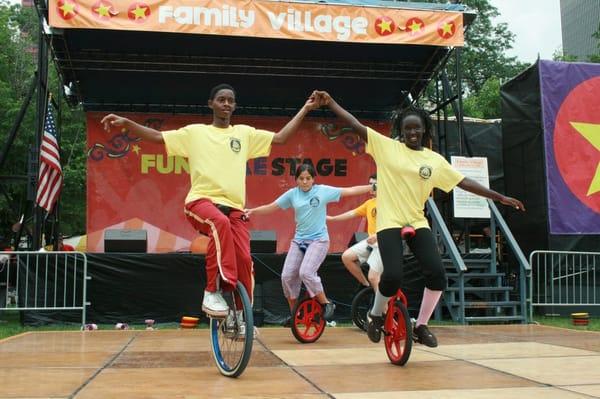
[(42, 99)]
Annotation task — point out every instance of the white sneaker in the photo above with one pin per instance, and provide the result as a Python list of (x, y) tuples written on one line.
[(214, 305)]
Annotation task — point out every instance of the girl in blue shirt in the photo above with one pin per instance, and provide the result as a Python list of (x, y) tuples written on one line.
[(311, 240)]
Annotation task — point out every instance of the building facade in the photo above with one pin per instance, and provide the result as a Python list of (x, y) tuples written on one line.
[(580, 19)]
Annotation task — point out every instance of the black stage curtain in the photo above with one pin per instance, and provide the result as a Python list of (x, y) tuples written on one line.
[(130, 288)]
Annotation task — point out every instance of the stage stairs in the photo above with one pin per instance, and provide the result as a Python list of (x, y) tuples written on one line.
[(477, 291)]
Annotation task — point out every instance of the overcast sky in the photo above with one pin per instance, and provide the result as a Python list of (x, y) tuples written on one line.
[(536, 24)]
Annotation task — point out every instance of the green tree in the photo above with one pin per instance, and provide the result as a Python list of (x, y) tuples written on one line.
[(560, 55), (484, 104), (596, 57), (18, 62), (484, 63), (484, 55)]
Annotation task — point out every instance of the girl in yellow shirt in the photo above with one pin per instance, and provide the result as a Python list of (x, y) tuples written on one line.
[(407, 172)]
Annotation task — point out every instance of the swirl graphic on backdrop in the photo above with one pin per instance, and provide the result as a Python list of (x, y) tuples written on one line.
[(117, 147), (351, 140)]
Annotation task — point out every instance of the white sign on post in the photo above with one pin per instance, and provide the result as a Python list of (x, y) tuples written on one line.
[(467, 205)]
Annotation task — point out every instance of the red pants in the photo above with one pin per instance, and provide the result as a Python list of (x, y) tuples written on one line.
[(228, 252)]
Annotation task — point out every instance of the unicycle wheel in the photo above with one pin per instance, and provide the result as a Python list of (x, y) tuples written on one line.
[(397, 332), (231, 337), (362, 302), (308, 321)]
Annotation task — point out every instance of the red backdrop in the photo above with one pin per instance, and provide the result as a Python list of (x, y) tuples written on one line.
[(133, 184)]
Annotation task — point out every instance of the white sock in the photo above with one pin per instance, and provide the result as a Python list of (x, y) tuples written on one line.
[(379, 304)]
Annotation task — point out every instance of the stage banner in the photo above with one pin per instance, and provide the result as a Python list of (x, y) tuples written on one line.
[(266, 19), (571, 118), (132, 184)]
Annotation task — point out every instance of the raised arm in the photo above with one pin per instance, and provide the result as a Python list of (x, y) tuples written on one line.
[(355, 190), (262, 210), (342, 216), (146, 133), (472, 186), (323, 98), (293, 125)]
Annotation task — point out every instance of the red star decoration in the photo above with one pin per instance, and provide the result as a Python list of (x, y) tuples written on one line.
[(384, 26), (138, 12), (104, 10), (67, 9), (446, 29), (414, 26)]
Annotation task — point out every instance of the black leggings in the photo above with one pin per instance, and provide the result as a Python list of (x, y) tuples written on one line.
[(424, 248)]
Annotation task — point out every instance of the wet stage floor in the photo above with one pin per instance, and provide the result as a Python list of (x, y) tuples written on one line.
[(471, 362)]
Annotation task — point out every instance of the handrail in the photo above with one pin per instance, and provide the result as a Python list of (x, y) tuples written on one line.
[(510, 239), (524, 265), (439, 225), (436, 217)]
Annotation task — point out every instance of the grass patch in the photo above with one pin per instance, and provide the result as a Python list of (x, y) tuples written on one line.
[(566, 322), (10, 324)]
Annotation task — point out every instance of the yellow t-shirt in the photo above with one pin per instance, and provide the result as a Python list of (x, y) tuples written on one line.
[(405, 179), (217, 159), (368, 209)]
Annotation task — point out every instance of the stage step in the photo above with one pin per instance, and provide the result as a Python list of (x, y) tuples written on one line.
[(481, 275), (485, 304), (481, 289)]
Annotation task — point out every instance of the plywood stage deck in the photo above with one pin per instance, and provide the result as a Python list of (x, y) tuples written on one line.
[(509, 361)]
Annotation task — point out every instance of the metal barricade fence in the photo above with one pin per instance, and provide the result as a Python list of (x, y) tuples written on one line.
[(39, 281), (563, 278)]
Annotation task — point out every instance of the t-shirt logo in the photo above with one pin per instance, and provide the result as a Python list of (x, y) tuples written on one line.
[(235, 144), (314, 202), (425, 172), (374, 212)]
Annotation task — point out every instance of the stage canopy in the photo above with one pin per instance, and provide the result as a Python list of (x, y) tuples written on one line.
[(165, 55)]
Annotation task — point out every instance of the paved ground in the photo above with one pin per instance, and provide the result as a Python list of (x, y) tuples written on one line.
[(471, 362)]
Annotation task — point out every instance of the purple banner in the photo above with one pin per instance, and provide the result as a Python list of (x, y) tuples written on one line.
[(570, 94)]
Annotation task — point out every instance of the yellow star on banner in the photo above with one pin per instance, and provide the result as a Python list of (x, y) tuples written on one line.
[(68, 8), (591, 132), (139, 12), (103, 10), (415, 26), (447, 29), (385, 26), (136, 148)]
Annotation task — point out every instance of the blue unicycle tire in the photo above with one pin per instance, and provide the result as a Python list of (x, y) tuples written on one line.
[(231, 344)]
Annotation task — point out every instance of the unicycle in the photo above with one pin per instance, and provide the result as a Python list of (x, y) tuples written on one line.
[(308, 320), (397, 330), (232, 336), (397, 325), (361, 303)]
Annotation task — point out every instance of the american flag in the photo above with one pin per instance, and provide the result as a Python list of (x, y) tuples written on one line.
[(50, 178)]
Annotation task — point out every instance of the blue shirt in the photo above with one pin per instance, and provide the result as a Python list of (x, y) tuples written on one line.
[(310, 209)]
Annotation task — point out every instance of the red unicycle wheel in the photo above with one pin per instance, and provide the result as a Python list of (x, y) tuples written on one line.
[(308, 321), (397, 330)]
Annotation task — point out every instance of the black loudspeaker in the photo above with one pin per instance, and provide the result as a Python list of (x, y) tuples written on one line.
[(263, 241), (122, 240), (356, 237)]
